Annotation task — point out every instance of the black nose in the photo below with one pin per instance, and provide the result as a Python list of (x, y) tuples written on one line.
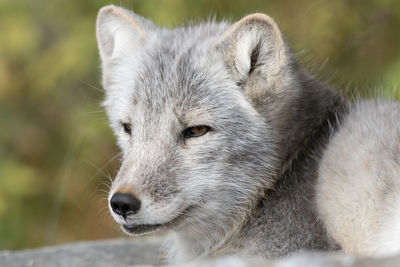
[(124, 204)]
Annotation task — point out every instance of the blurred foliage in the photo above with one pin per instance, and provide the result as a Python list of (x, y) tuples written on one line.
[(56, 151)]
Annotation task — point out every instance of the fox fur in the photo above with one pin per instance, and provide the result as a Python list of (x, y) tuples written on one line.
[(287, 164)]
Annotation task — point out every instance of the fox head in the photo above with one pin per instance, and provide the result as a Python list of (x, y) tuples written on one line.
[(188, 108)]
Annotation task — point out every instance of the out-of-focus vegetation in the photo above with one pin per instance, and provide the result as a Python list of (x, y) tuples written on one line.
[(56, 150)]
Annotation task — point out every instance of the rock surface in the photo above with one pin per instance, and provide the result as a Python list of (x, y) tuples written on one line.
[(120, 252), (124, 253)]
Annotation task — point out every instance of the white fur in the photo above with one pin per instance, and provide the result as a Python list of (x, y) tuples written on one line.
[(359, 187)]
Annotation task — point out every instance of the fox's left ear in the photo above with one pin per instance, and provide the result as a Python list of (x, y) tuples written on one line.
[(255, 54)]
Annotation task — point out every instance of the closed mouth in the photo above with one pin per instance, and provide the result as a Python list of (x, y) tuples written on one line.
[(141, 229)]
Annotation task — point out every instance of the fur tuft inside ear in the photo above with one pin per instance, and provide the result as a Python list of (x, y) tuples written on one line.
[(253, 48), (117, 28)]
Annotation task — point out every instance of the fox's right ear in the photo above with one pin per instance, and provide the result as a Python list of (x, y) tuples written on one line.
[(118, 29)]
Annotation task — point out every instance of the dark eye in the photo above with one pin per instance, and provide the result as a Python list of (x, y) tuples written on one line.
[(127, 128), (195, 131)]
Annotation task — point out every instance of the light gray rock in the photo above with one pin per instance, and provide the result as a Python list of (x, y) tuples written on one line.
[(146, 252), (309, 259), (109, 253)]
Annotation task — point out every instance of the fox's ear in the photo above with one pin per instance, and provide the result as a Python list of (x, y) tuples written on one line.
[(118, 29), (255, 53)]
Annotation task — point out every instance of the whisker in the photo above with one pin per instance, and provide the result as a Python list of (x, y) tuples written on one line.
[(91, 86), (100, 170), (93, 112)]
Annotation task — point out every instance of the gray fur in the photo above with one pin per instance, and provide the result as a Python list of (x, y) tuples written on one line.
[(249, 184)]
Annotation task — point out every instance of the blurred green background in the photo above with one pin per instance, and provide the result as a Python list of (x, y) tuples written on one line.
[(56, 151)]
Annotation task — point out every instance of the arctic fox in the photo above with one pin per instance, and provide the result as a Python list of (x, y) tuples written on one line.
[(233, 148)]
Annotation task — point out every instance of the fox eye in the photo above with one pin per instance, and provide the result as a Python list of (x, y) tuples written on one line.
[(127, 128), (195, 131)]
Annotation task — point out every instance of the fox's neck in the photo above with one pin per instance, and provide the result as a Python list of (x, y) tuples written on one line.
[(284, 219), (310, 113)]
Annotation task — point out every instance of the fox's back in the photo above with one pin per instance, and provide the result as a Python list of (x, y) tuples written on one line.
[(359, 179)]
